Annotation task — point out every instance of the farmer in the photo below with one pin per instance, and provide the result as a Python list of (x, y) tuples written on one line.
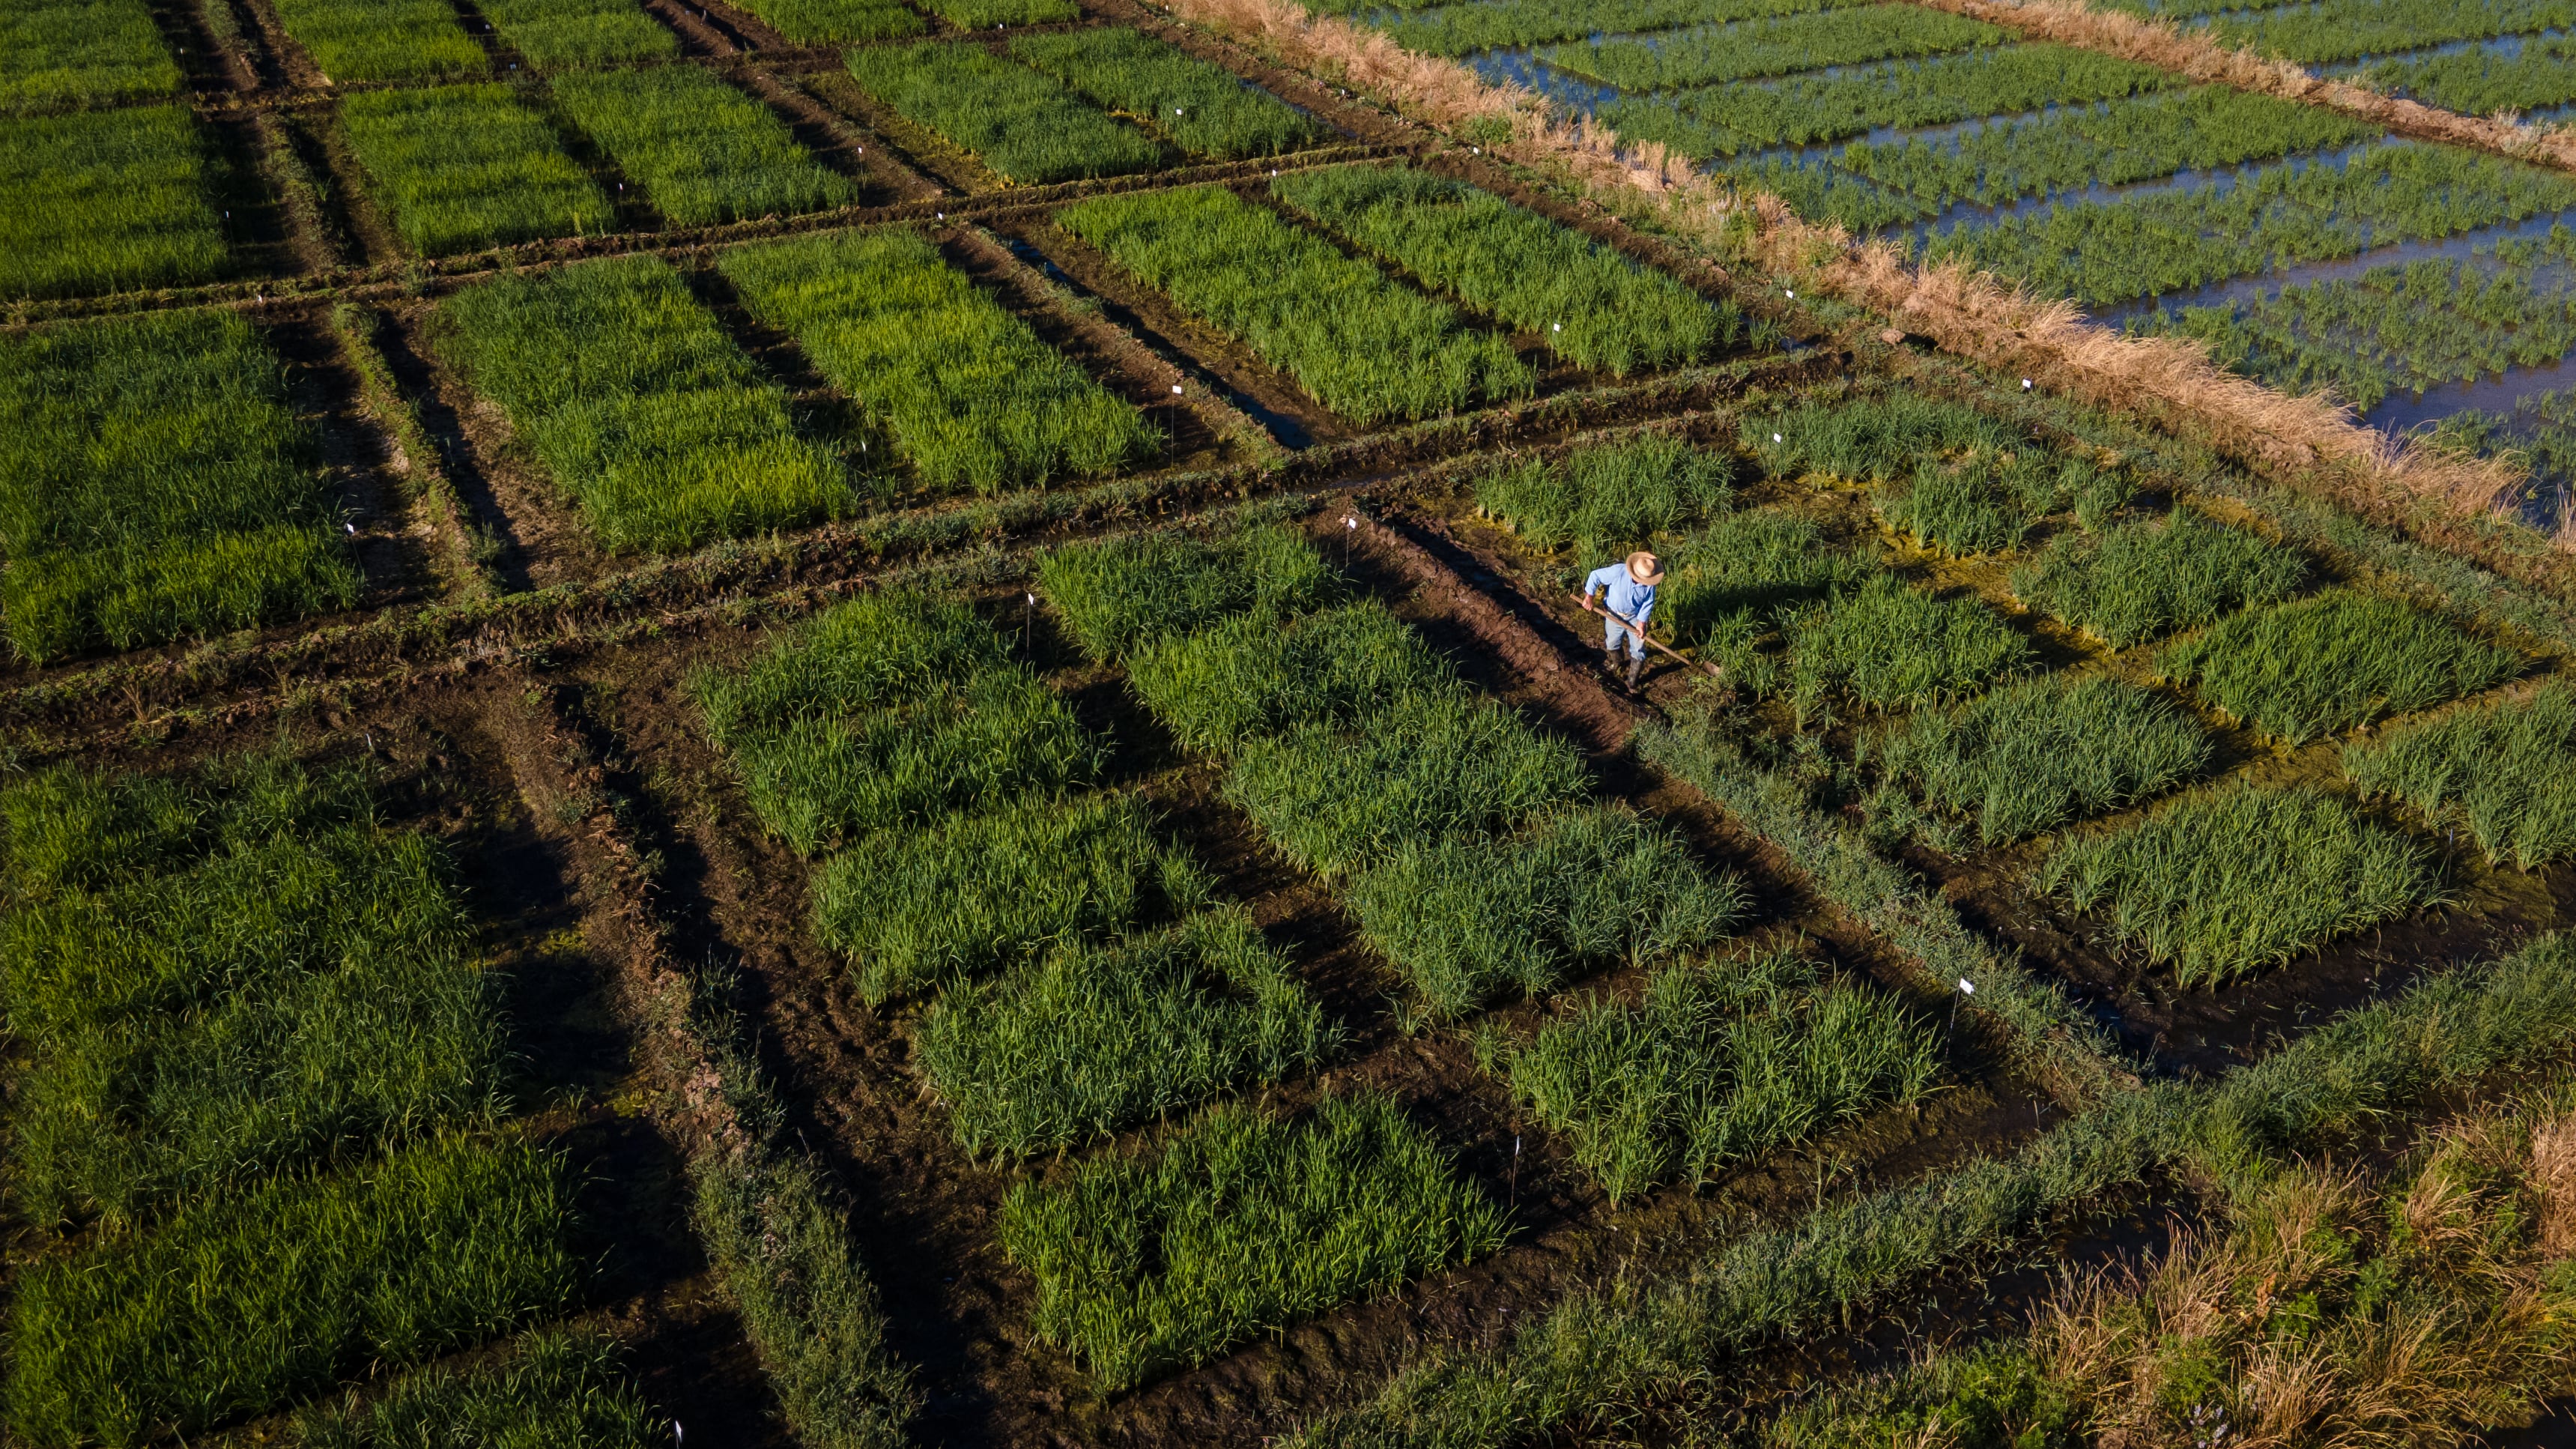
[(1629, 590)]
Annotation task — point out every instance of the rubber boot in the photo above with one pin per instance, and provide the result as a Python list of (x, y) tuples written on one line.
[(1636, 671), (1610, 660)]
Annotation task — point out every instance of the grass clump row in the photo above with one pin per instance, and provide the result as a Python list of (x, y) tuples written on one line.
[(1609, 498), (1359, 342), (56, 54), (2145, 579), (1776, 45), (1122, 596), (156, 482), (2335, 661), (2035, 755), (1590, 305), (970, 395), (1721, 1062), (1024, 124), (1237, 1223), (1201, 108), (2506, 770), (115, 200), (556, 1387), (465, 168), (562, 34), (382, 40), (703, 151), (629, 392)]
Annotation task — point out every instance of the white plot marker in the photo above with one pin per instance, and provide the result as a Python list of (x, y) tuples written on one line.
[(1176, 389), (1792, 295), (1967, 987), (1775, 437), (2025, 384), (1556, 327)]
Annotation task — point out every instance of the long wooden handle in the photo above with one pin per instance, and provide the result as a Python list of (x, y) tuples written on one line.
[(1651, 641)]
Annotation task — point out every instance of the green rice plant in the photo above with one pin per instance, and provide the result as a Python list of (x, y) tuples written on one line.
[(557, 1388), (1426, 765), (66, 828), (1745, 570), (464, 168), (156, 482), (2482, 82), (1989, 502), (922, 909), (1466, 917), (1360, 343), (1872, 440), (822, 22), (703, 151), (1251, 675), (2034, 755), (1886, 645), (1721, 1062), (1777, 45), (994, 14), (2328, 663), (1592, 306), (562, 34), (56, 54), (635, 400), (1199, 107), (1464, 28), (884, 647), (1611, 497), (382, 40), (2506, 770), (970, 395), (1118, 596), (2338, 30), (236, 1304), (1099, 1037), (100, 201), (1238, 1223), (1024, 124), (2144, 579), (2223, 884)]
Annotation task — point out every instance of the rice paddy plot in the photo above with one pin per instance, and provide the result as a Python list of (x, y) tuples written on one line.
[(2539, 434), (2337, 30), (969, 394), (464, 168), (1592, 306), (994, 14), (2148, 578), (1099, 1037), (2538, 75), (2037, 754), (1237, 1223), (562, 34), (1199, 107), (1220, 687), (1988, 502), (1886, 645), (382, 40), (2220, 885), (824, 22), (1462, 29), (1118, 596), (100, 201), (2329, 663), (57, 54), (1772, 46), (155, 483), (2505, 769), (1871, 440), (561, 1387), (1609, 497), (1720, 1063), (703, 151), (629, 392), (1024, 124), (64, 829), (1742, 572), (1362, 344)]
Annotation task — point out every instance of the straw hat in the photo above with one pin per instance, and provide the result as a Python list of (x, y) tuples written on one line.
[(1645, 568)]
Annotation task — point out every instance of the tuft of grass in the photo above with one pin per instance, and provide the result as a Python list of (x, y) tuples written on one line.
[(563, 34), (102, 201), (919, 910), (638, 404), (1024, 124), (970, 395), (64, 828), (1610, 497), (1592, 306), (2325, 664), (558, 1388), (703, 151), (1099, 1037), (881, 648), (465, 168), (1238, 1223), (1467, 917), (382, 40), (1118, 596), (2143, 579), (2034, 755), (1251, 675), (1747, 569), (2220, 885), (1887, 645), (1361, 343), (56, 54), (1872, 440), (1720, 1063), (1201, 108), (2506, 770), (823, 22)]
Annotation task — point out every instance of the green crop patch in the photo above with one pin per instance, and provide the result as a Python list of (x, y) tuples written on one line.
[(155, 482), (1241, 1222), (918, 910), (823, 22), (563, 1388), (106, 201), (703, 151), (1720, 1063), (233, 1306), (1100, 1037), (970, 395), (1778, 45), (562, 34), (2481, 82), (382, 40), (1986, 502), (56, 54), (1591, 305), (64, 829), (1024, 124), (1872, 440), (1199, 107), (2323, 665), (2035, 755), (1466, 918), (2506, 770), (463, 168), (2220, 885), (1250, 676), (1739, 575), (1357, 341), (1886, 645), (1119, 596), (628, 391), (1463, 29), (2340, 30), (993, 14), (2146, 579)]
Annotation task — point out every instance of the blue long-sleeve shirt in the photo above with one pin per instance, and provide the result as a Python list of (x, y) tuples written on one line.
[(1621, 593)]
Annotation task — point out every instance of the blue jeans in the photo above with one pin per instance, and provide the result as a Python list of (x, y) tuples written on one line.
[(1612, 632)]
